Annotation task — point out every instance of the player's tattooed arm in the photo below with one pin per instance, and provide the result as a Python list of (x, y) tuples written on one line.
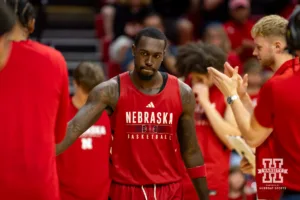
[(101, 97), (190, 151)]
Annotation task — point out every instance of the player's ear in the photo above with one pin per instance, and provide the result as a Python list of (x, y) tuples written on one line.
[(133, 48), (278, 47), (31, 25)]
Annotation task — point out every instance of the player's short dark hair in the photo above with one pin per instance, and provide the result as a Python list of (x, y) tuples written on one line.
[(197, 57), (87, 75), (7, 19), (152, 33), (23, 9)]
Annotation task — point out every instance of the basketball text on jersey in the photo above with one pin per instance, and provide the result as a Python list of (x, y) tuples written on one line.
[(149, 125)]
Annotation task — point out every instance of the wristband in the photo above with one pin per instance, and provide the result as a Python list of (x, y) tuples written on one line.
[(197, 172)]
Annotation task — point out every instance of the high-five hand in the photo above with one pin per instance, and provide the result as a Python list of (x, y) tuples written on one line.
[(243, 82), (227, 85)]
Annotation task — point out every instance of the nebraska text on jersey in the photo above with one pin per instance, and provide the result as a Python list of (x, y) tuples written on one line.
[(149, 125), (149, 118)]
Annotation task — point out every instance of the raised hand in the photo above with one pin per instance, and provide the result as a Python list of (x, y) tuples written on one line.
[(227, 85)]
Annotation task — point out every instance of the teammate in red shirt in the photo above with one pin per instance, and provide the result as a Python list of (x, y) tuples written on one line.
[(153, 126), (214, 119), (269, 36), (83, 168), (34, 88)]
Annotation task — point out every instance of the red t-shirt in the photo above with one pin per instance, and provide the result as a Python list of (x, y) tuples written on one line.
[(83, 168), (237, 33), (145, 148), (264, 113), (33, 106), (216, 154)]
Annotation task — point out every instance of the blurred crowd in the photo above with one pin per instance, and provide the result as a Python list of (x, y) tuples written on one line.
[(225, 23)]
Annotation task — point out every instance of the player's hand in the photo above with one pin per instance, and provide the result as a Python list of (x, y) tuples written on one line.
[(201, 92), (227, 85), (246, 167), (243, 82)]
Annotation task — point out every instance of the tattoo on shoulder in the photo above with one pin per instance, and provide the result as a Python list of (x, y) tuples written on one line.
[(107, 92)]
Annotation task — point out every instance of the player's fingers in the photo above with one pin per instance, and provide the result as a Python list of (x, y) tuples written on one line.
[(216, 73), (228, 68), (245, 80)]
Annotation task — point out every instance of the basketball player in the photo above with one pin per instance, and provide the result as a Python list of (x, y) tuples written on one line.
[(214, 119), (83, 168), (269, 36), (34, 88), (153, 126)]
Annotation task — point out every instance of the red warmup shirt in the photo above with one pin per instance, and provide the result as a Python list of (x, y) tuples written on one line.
[(267, 148), (33, 106), (145, 148), (83, 168), (283, 115), (216, 154), (237, 33)]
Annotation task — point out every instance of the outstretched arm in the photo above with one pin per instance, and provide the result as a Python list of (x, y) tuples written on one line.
[(190, 151), (102, 96)]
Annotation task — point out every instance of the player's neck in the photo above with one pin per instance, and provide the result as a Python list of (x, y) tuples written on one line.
[(79, 99), (279, 60), (235, 194), (19, 33), (145, 84)]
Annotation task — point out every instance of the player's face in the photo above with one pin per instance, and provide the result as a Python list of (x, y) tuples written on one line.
[(4, 49), (264, 51), (205, 79), (148, 56), (236, 181)]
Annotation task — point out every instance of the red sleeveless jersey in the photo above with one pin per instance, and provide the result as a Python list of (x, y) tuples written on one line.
[(216, 154), (83, 169), (145, 149)]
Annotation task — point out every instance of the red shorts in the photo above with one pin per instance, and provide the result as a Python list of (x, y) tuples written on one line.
[(172, 191)]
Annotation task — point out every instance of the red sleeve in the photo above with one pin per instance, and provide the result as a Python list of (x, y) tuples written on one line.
[(62, 113), (263, 111)]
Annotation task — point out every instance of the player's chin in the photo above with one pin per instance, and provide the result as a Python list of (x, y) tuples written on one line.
[(146, 75)]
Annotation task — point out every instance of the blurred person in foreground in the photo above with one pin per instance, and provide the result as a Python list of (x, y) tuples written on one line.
[(33, 107), (213, 118), (266, 126), (83, 168), (152, 126)]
